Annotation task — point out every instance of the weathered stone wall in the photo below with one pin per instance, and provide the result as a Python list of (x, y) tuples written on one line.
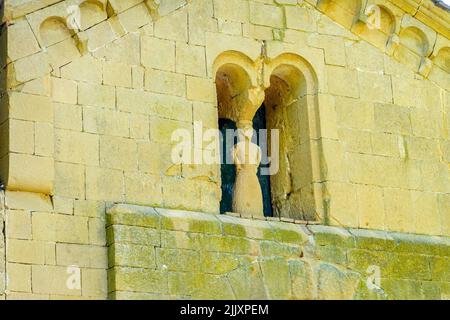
[(2, 246), (87, 116), (160, 253)]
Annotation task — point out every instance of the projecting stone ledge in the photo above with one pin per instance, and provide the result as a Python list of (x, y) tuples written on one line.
[(161, 253)]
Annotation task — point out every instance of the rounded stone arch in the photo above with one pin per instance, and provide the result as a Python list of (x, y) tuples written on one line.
[(91, 13), (378, 32), (415, 40), (413, 47), (442, 59), (53, 30), (234, 74), (292, 108)]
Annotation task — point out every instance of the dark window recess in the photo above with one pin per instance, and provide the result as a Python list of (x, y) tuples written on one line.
[(228, 170)]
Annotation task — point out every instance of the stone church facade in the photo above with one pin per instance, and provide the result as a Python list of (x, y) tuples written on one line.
[(94, 207)]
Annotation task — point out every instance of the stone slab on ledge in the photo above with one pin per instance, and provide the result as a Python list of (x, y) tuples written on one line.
[(168, 254)]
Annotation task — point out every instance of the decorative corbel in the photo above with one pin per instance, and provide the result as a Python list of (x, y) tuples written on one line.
[(425, 66), (392, 44)]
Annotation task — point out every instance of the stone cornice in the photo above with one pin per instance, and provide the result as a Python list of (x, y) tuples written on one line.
[(427, 12)]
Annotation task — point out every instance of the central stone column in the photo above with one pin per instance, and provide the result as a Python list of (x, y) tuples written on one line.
[(247, 194)]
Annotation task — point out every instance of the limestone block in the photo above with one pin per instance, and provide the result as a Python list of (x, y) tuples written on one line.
[(426, 123), (63, 205), (134, 101), (189, 221), (422, 148), (44, 141), (137, 77), (138, 280), (104, 184), (266, 15), (86, 69), (89, 208), (217, 43), (122, 5), (118, 153), (84, 256), (260, 32), (399, 211), (64, 91), (30, 173), (334, 283), (161, 130), (444, 205), (435, 176), (139, 127), (56, 284), (100, 35), (343, 204), (156, 159), (299, 18), (27, 201), (172, 26), (97, 231), (190, 60), (201, 21), (392, 119), (115, 74), (279, 288), (233, 10), (21, 136), (76, 147), (32, 67), (94, 283), (143, 189), (165, 82), (375, 87), (124, 50), (342, 82), (364, 57), (371, 207), (25, 251), (200, 89), (40, 86), (71, 229), (427, 216), (68, 116), (135, 18), (30, 107), (63, 53), (178, 260), (386, 144), (97, 95), (19, 277), (188, 284), (108, 122), (229, 27), (18, 224), (158, 53), (356, 141), (187, 192), (133, 235), (21, 41), (132, 215), (131, 255), (170, 107), (333, 46), (207, 113), (69, 180)]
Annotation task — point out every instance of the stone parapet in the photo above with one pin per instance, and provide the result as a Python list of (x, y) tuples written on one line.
[(166, 254)]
